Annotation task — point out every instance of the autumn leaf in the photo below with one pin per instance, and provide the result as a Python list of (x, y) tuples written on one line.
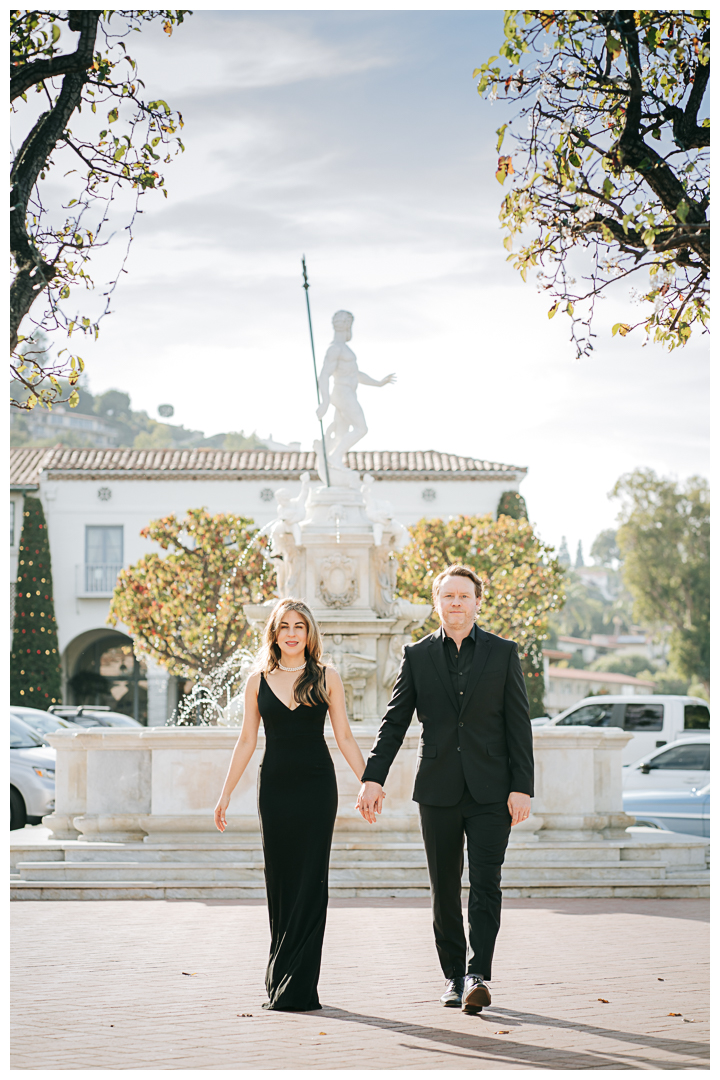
[(604, 1001), (674, 1014), (501, 1032), (505, 168)]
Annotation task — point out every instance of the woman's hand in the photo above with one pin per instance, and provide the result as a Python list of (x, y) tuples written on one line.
[(220, 809), (370, 800)]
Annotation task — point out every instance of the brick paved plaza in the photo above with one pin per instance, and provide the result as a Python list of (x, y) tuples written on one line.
[(100, 985)]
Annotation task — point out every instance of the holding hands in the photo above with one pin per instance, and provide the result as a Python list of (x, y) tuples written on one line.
[(370, 800)]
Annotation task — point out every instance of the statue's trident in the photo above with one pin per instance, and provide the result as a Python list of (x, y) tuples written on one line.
[(306, 287)]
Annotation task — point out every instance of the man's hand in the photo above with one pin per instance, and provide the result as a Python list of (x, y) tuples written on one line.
[(370, 800), (519, 807)]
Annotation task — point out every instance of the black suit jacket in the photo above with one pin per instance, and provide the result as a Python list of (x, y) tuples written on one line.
[(486, 742)]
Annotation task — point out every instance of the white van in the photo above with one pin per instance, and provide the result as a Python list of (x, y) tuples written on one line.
[(654, 719)]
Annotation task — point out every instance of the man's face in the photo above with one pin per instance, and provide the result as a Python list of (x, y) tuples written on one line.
[(457, 603)]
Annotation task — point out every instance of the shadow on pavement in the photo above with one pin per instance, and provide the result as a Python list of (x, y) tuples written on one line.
[(494, 1048)]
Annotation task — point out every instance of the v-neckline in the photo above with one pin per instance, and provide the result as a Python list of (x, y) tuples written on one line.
[(279, 698)]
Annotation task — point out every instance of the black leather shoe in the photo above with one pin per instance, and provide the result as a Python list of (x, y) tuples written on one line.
[(453, 996), (475, 994)]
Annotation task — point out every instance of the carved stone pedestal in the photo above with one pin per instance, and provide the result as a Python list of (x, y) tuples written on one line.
[(335, 550)]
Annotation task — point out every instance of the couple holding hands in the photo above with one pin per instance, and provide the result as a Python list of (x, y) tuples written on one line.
[(474, 780)]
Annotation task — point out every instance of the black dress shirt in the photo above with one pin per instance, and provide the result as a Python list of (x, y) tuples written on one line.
[(459, 661)]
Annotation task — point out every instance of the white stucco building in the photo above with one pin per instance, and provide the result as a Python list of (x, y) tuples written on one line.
[(96, 501)]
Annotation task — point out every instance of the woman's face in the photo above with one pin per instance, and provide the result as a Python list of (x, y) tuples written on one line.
[(292, 635)]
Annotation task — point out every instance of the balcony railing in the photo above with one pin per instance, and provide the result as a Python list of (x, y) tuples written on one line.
[(97, 579)]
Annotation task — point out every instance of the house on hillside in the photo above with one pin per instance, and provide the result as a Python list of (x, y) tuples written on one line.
[(97, 501), (566, 686)]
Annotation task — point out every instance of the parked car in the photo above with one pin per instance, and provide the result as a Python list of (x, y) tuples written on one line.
[(654, 719), (42, 722), (89, 716), (679, 811), (680, 766), (32, 776)]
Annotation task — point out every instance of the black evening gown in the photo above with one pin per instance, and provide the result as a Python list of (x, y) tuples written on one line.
[(297, 800)]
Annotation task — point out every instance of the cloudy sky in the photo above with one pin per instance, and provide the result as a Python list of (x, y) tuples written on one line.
[(358, 139)]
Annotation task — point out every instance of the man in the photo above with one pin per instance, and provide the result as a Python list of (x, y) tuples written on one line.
[(474, 774)]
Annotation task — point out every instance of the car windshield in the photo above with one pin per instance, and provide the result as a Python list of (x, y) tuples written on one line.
[(119, 720), (22, 737), (44, 724)]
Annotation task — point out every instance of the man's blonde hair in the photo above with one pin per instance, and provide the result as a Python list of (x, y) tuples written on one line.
[(457, 570)]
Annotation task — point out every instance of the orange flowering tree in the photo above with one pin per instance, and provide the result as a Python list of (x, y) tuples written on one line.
[(185, 608), (523, 580)]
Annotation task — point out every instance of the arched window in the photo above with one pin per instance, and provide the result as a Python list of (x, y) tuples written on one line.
[(108, 673)]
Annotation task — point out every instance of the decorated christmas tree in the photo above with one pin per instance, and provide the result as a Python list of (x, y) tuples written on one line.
[(512, 505), (34, 657)]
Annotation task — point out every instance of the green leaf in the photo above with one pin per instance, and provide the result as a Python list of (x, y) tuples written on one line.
[(112, 116), (55, 32), (613, 46), (607, 187), (74, 399), (620, 328), (501, 135), (553, 310), (682, 210)]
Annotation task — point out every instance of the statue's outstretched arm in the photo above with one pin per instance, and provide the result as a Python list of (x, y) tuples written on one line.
[(367, 381)]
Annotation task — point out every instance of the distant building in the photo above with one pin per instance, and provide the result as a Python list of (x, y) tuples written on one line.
[(97, 501), (566, 686), (44, 424)]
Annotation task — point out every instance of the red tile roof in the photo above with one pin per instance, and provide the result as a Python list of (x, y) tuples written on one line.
[(597, 676), (86, 464)]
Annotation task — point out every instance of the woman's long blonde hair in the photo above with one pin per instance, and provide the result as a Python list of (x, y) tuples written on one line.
[(310, 688)]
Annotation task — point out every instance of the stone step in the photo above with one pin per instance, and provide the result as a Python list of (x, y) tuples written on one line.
[(341, 872), (694, 886), (82, 851), (218, 871)]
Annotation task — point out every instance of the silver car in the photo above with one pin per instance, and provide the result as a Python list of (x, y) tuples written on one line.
[(32, 776), (42, 722)]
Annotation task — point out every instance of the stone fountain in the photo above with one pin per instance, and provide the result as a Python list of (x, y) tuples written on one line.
[(334, 547)]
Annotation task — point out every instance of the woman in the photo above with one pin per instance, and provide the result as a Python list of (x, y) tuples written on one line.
[(292, 691)]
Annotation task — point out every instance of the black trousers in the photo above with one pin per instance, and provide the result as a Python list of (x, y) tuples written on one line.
[(487, 827)]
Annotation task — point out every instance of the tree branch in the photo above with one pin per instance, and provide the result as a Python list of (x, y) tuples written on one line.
[(33, 273), (84, 21)]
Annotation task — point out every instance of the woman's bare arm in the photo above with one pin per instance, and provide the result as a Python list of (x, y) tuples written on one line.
[(344, 738), (244, 749)]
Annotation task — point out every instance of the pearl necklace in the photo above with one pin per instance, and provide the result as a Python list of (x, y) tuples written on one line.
[(283, 668)]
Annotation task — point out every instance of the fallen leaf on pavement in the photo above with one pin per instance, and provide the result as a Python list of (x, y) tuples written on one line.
[(687, 1021), (501, 1033), (674, 1014), (660, 980), (604, 1001), (188, 973), (243, 1014)]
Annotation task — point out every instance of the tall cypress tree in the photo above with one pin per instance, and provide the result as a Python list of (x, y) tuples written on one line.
[(35, 657)]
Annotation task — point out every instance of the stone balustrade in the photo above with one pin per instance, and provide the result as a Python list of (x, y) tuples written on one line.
[(161, 785)]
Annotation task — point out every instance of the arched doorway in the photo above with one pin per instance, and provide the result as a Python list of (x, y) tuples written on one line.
[(108, 673)]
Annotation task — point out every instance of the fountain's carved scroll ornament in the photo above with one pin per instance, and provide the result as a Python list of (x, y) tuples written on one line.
[(337, 581)]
